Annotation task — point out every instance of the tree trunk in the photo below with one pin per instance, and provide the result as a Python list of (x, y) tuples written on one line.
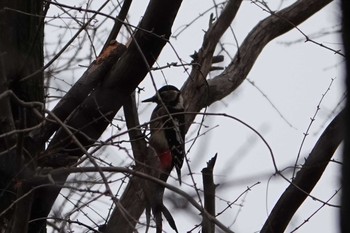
[(21, 54), (345, 202)]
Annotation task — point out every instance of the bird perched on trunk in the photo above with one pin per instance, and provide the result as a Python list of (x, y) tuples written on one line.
[(167, 126)]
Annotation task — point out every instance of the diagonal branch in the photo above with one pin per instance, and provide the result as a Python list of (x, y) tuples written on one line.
[(203, 59), (137, 141), (267, 30), (81, 89), (264, 32), (99, 108), (118, 22), (345, 179), (307, 177)]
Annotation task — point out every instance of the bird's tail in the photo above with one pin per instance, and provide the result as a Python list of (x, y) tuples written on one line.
[(178, 171), (155, 203), (157, 213)]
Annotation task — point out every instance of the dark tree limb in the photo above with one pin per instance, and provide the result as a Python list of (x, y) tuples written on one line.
[(131, 206), (222, 85), (96, 112), (307, 177), (133, 198), (118, 22), (137, 138), (98, 109), (267, 30), (9, 159), (21, 53), (209, 195), (7, 124), (139, 193), (80, 90), (195, 89), (56, 174), (345, 201), (22, 210)]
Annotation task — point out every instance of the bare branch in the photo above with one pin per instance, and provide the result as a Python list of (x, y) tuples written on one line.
[(64, 47), (307, 177), (81, 89), (209, 195), (65, 171), (118, 22), (267, 30), (203, 59), (138, 143)]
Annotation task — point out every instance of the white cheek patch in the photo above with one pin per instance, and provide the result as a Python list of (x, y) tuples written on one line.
[(180, 103)]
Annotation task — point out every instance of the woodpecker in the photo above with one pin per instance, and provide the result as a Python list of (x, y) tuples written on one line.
[(168, 129), (167, 139)]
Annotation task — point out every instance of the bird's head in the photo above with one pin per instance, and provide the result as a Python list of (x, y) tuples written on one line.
[(170, 95)]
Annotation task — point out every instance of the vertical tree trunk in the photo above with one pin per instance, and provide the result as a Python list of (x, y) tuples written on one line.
[(21, 54), (345, 202)]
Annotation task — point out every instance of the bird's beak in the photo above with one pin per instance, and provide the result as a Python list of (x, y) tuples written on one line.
[(152, 99)]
